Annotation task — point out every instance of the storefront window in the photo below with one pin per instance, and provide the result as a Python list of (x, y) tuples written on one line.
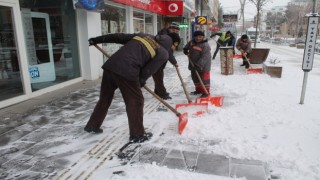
[(113, 20), (138, 22), (51, 41), (10, 74), (149, 24), (142, 23)]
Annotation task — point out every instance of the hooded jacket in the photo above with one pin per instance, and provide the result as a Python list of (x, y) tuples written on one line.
[(133, 61)]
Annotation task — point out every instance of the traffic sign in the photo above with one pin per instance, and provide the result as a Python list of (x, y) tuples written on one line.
[(310, 43)]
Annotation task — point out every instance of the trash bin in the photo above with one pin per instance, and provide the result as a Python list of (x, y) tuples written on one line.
[(226, 60)]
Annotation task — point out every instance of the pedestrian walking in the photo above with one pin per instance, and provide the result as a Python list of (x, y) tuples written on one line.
[(159, 87), (244, 46), (199, 52), (222, 41), (128, 69)]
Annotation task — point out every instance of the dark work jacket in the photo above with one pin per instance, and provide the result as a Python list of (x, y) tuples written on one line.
[(171, 59), (200, 54), (133, 60), (232, 41)]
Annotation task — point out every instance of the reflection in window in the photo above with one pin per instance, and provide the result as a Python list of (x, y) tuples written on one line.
[(149, 23), (10, 76), (138, 22), (113, 20)]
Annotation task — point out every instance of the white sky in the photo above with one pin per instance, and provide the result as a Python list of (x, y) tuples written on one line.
[(232, 6)]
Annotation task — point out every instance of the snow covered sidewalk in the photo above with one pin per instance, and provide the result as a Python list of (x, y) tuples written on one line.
[(260, 127)]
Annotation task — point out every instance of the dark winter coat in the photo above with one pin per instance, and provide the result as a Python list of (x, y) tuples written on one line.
[(244, 46), (133, 60), (200, 54), (232, 41), (172, 59)]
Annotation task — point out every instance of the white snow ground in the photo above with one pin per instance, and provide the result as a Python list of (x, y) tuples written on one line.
[(261, 119)]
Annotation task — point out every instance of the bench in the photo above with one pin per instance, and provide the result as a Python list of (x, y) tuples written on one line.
[(259, 55), (272, 70)]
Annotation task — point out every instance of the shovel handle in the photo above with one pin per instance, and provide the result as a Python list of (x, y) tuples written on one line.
[(200, 80), (101, 50), (248, 60), (162, 101), (184, 87)]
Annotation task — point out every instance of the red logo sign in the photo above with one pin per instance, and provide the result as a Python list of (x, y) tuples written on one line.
[(174, 8), (169, 8)]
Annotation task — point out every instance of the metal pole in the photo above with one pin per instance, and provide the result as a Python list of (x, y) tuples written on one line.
[(314, 6), (304, 85), (305, 76)]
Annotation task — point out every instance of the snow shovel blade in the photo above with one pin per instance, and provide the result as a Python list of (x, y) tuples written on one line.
[(183, 120), (254, 71), (237, 56), (198, 108), (216, 100)]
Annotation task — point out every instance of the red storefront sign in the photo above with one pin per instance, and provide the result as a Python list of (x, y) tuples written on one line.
[(163, 7)]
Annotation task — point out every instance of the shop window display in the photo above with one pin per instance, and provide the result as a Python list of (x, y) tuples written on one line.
[(51, 41)]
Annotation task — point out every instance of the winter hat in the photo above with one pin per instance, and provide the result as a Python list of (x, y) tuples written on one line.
[(175, 38), (174, 25), (198, 33)]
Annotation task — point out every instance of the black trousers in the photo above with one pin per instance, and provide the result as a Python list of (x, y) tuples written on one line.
[(158, 81), (132, 96), (216, 51)]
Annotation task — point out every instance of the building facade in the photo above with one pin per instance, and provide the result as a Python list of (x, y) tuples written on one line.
[(44, 44)]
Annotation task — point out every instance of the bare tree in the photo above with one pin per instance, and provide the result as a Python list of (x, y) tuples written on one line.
[(259, 4), (274, 20)]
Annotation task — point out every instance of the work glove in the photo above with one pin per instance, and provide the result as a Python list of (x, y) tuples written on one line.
[(92, 41), (186, 52)]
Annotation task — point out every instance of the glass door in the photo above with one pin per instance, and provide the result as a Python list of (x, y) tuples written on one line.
[(10, 71)]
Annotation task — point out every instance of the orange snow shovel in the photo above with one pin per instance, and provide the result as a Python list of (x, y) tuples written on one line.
[(252, 70), (200, 107), (237, 56), (183, 118), (217, 101)]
